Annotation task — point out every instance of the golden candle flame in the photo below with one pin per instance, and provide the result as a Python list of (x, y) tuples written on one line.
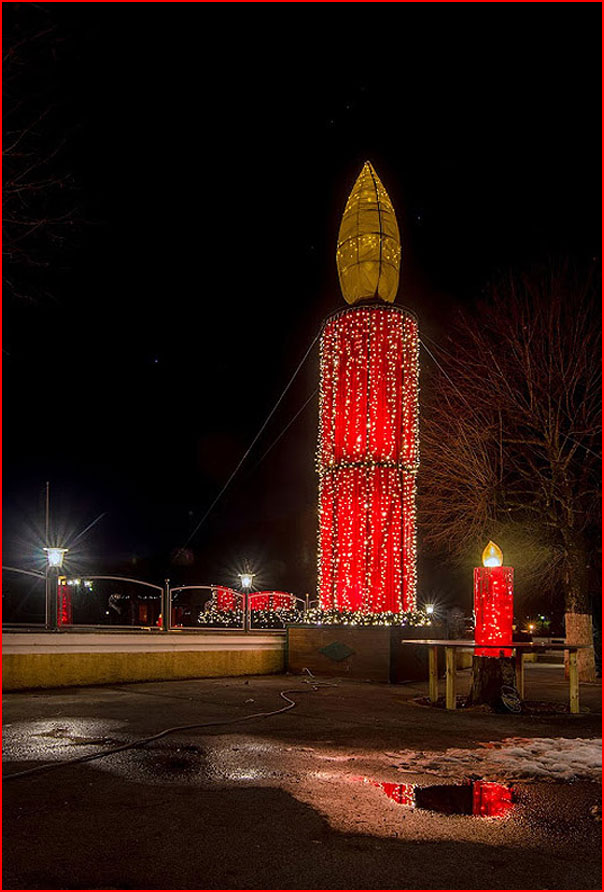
[(492, 556), (369, 245)]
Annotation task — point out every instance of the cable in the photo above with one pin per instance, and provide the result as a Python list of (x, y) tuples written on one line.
[(89, 527), (314, 686), (285, 429), (511, 698), (439, 366), (252, 444)]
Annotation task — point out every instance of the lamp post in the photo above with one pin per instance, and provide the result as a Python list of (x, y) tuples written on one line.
[(247, 580), (54, 562)]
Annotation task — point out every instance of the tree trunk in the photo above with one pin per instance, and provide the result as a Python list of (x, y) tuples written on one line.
[(579, 630), (488, 676)]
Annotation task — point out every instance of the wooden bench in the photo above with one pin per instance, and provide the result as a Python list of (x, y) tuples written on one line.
[(520, 648)]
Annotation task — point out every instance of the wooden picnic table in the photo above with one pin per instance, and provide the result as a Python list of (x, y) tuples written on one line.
[(520, 648)]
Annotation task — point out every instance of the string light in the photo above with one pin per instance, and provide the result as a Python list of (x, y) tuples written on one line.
[(212, 616), (269, 618), (367, 460), (268, 610), (368, 254), (343, 617)]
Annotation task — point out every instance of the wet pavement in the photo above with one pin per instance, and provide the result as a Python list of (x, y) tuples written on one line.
[(325, 796)]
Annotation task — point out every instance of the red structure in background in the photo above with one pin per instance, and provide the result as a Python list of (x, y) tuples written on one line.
[(367, 459), (271, 601), (227, 598), (493, 610), (64, 605)]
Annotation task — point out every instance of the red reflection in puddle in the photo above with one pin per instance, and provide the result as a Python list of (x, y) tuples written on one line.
[(484, 799), (491, 800), (403, 794)]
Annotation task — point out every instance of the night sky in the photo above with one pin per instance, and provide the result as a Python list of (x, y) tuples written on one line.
[(209, 151)]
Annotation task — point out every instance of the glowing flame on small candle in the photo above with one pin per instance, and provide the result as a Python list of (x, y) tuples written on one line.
[(492, 556)]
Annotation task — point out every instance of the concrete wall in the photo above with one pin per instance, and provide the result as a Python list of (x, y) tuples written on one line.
[(57, 659)]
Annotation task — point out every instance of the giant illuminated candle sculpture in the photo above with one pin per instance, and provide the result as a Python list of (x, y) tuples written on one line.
[(493, 603), (367, 454)]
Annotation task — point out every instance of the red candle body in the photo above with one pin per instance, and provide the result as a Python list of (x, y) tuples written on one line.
[(367, 459), (493, 609)]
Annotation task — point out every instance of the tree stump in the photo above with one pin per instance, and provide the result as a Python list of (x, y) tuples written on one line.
[(579, 630), (489, 674)]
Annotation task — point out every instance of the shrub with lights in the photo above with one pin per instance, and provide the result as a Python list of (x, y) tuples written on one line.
[(264, 618), (214, 616), (334, 616), (268, 609), (275, 618)]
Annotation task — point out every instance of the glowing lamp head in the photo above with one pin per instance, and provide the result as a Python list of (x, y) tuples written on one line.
[(54, 556), (492, 556), (430, 608), (246, 579)]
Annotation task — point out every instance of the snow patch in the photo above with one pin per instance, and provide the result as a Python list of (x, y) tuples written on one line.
[(514, 758)]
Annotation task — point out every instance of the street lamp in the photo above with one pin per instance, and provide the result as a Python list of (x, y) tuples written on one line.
[(430, 609), (54, 557), (247, 580)]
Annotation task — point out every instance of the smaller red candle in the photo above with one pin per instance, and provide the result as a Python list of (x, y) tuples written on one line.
[(64, 606), (493, 604)]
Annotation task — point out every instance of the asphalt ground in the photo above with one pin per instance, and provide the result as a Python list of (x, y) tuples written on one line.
[(290, 801)]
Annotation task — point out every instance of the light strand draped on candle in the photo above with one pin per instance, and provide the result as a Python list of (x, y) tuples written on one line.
[(367, 460)]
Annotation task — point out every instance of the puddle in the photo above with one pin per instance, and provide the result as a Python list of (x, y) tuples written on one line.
[(484, 799), (255, 762), (51, 739)]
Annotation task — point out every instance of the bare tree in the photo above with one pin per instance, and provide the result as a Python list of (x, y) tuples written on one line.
[(37, 189), (511, 437)]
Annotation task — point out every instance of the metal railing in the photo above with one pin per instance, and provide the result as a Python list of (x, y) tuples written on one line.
[(25, 601), (73, 604)]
